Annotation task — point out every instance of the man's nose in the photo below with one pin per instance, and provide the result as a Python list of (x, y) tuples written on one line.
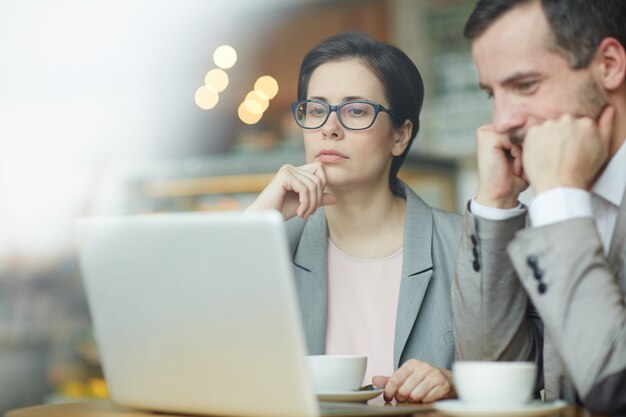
[(507, 116)]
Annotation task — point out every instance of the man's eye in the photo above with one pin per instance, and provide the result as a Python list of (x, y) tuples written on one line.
[(525, 86)]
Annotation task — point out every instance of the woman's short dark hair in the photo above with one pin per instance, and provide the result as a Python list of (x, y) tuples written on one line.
[(578, 26), (402, 82)]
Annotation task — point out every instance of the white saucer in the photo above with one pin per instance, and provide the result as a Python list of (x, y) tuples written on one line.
[(349, 396), (462, 409)]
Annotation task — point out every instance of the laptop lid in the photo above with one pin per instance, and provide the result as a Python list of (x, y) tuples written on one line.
[(197, 313)]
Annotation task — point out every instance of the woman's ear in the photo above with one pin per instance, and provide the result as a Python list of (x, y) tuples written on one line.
[(612, 60), (401, 139)]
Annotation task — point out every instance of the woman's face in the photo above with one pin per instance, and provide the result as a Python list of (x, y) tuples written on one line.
[(352, 157)]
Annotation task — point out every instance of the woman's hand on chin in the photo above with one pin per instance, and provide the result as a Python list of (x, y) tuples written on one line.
[(295, 191)]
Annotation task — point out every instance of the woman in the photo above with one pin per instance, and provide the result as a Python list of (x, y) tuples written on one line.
[(373, 262)]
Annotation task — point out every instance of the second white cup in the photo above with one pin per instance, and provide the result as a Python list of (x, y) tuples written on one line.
[(494, 383)]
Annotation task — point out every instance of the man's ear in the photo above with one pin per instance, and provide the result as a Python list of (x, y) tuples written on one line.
[(612, 60), (401, 138)]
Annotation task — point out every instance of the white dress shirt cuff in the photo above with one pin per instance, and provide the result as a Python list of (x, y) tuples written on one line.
[(559, 204), (491, 213)]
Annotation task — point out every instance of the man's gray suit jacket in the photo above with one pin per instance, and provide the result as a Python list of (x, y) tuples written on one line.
[(547, 294), (424, 316)]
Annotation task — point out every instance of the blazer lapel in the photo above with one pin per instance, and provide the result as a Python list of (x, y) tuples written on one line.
[(617, 251), (311, 274), (417, 268)]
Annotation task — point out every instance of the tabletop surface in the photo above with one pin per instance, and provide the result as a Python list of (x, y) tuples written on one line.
[(108, 409)]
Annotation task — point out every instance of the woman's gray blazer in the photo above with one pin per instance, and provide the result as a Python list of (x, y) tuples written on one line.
[(424, 317)]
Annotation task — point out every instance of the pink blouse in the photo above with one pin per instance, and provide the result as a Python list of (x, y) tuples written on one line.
[(362, 306)]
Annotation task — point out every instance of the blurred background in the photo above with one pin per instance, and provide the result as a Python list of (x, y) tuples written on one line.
[(144, 106)]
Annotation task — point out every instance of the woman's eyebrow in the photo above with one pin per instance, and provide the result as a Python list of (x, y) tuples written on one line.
[(344, 99)]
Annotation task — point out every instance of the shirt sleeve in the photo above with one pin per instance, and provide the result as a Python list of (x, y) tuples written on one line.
[(491, 213), (559, 204)]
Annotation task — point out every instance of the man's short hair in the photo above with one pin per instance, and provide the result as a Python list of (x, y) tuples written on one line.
[(578, 26)]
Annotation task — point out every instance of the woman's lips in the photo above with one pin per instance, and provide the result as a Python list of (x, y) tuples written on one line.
[(330, 156)]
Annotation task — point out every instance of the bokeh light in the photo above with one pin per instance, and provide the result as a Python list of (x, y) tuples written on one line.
[(255, 103), (247, 117), (268, 85), (206, 97), (217, 79), (225, 56)]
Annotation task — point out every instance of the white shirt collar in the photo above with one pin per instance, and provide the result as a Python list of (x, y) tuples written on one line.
[(612, 182)]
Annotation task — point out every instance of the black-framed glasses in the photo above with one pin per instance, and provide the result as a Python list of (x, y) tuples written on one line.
[(353, 115)]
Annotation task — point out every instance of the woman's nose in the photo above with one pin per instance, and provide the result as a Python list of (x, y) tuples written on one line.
[(332, 129)]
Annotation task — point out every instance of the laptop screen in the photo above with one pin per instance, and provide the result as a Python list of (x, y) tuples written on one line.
[(197, 313)]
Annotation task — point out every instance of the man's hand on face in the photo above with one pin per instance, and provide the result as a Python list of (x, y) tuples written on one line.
[(567, 152), (500, 174)]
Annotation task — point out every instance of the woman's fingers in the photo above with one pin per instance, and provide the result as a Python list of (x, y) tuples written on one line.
[(433, 387), (437, 392), (295, 191), (409, 390), (307, 193), (417, 381), (315, 172), (395, 382), (380, 381), (309, 182)]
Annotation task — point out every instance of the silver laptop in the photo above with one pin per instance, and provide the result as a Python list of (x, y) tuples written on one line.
[(197, 313)]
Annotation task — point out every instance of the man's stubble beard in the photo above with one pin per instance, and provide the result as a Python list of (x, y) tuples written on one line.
[(590, 99)]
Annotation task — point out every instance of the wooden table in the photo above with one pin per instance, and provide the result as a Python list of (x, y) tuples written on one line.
[(108, 409)]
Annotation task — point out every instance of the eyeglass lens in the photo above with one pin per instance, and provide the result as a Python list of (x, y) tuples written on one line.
[(352, 115)]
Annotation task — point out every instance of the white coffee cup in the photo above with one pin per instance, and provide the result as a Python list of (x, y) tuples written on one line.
[(494, 383), (337, 373)]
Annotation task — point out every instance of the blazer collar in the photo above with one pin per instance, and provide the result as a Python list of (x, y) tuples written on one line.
[(311, 263), (418, 234), (417, 268), (311, 254)]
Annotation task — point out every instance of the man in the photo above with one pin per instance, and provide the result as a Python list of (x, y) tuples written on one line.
[(549, 284)]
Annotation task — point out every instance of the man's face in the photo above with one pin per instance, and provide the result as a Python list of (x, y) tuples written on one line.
[(528, 80)]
